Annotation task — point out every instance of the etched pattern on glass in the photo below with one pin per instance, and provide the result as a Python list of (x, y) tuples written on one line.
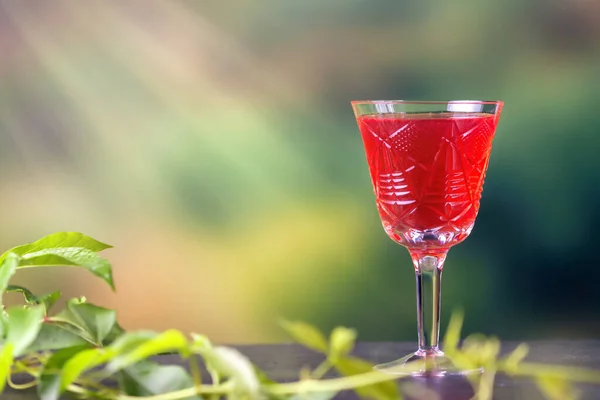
[(426, 182)]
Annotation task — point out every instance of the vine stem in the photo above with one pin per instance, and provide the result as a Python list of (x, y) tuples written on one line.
[(184, 393), (327, 385), (486, 384), (195, 370), (21, 386), (334, 384), (573, 374), (321, 370)]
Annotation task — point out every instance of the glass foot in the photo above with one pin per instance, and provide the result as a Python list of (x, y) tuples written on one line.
[(424, 363)]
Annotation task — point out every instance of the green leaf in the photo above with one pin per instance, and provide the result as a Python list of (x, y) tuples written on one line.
[(6, 361), (75, 256), (341, 343), (116, 332), (452, 337), (97, 322), (23, 324), (147, 378), (307, 335), (511, 362), (71, 326), (380, 391), (168, 341), (46, 300), (59, 240), (231, 363), (481, 350), (8, 267), (81, 362), (53, 336), (556, 388), (200, 343), (48, 387), (65, 248), (129, 341)]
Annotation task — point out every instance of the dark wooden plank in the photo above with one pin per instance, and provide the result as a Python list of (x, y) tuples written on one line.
[(283, 362)]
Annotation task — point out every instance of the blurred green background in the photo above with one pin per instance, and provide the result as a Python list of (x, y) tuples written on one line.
[(214, 145)]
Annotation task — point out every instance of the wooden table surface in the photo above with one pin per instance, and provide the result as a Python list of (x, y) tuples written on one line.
[(282, 362)]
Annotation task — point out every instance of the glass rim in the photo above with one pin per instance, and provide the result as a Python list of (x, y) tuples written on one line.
[(425, 102)]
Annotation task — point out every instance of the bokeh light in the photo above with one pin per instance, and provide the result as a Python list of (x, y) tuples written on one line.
[(214, 146)]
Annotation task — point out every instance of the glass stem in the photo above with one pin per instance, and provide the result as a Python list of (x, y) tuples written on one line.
[(428, 270)]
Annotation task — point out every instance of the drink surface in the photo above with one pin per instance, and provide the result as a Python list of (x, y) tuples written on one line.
[(427, 172)]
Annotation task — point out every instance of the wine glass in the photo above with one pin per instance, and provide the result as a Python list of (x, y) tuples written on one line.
[(427, 161)]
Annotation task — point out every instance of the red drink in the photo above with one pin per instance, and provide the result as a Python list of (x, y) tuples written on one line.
[(427, 172)]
